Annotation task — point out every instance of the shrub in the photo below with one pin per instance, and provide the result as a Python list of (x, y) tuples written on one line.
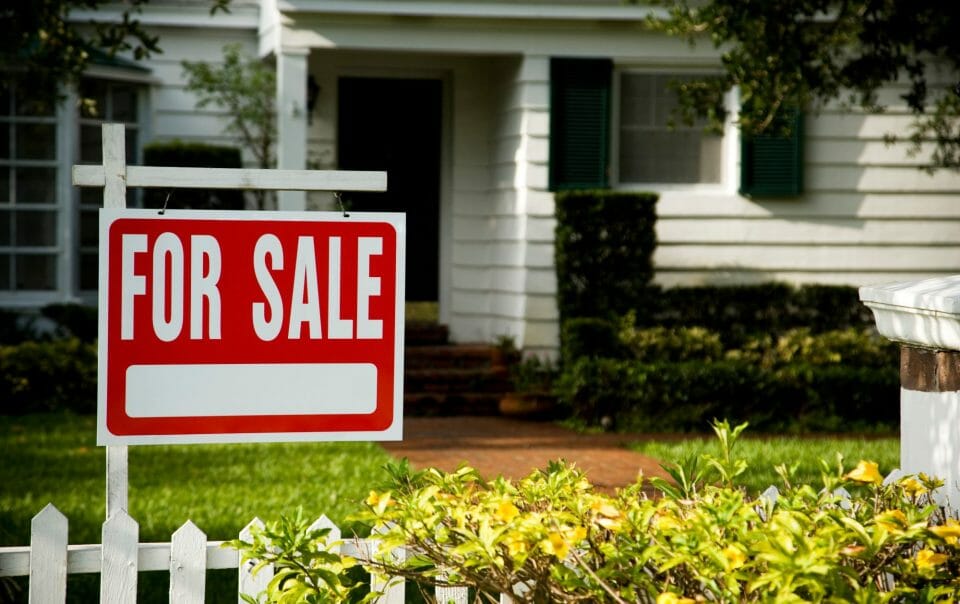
[(604, 247), (703, 540), (670, 344), (193, 155), (591, 337), (48, 376)]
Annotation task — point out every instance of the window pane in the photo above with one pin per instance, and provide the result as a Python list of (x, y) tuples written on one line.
[(89, 271), (89, 228), (34, 107), (4, 140), (5, 101), (91, 196), (36, 271), (90, 143), (5, 272), (5, 195), (36, 185), (5, 228), (649, 149), (36, 229), (131, 145), (124, 107), (36, 141)]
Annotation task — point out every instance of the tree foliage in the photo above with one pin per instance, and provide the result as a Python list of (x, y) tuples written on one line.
[(245, 88), (784, 54), (45, 47)]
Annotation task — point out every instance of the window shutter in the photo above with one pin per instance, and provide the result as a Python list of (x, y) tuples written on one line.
[(772, 165), (579, 123)]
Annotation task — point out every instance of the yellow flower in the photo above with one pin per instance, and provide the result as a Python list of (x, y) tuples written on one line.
[(555, 544), (375, 498), (516, 544), (734, 557), (606, 515), (892, 520), (506, 511), (927, 558), (866, 472), (912, 486), (665, 522), (949, 532), (668, 597)]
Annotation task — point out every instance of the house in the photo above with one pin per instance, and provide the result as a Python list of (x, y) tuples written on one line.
[(478, 110)]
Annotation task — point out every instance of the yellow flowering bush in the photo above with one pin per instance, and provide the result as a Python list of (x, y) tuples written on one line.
[(699, 538)]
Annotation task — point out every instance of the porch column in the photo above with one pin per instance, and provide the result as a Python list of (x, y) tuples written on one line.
[(292, 121), (924, 317)]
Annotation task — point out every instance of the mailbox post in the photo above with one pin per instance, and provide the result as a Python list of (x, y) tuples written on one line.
[(924, 317)]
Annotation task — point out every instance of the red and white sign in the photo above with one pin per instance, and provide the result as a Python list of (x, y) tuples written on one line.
[(250, 326)]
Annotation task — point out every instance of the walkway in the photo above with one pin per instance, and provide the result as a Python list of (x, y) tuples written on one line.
[(514, 448)]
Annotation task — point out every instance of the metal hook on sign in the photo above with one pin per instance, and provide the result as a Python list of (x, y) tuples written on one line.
[(336, 195), (164, 208)]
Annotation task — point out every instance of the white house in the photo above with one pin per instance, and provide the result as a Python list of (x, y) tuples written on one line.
[(478, 109)]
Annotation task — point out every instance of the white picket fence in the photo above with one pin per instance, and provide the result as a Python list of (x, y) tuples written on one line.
[(49, 559)]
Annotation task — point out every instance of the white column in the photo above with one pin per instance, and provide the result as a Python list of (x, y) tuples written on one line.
[(292, 121), (924, 316)]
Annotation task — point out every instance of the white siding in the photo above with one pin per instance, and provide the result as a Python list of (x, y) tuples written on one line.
[(869, 214)]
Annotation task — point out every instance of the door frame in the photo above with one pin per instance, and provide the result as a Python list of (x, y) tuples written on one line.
[(445, 236)]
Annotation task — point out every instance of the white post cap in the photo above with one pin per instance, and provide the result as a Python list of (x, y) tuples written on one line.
[(923, 313)]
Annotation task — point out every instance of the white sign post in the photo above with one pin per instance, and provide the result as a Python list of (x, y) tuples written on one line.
[(322, 291)]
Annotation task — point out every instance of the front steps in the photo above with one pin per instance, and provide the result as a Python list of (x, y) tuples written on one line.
[(451, 379)]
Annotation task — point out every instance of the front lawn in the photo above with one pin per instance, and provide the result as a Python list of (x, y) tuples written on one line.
[(764, 453)]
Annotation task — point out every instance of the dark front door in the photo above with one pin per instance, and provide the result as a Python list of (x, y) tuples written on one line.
[(394, 125)]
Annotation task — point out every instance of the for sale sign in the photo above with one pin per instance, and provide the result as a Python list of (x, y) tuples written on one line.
[(250, 326)]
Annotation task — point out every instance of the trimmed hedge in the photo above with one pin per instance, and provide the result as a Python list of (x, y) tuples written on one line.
[(683, 396), (193, 155), (48, 376), (604, 249)]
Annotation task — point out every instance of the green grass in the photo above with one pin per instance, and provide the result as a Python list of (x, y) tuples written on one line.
[(763, 454), (54, 459)]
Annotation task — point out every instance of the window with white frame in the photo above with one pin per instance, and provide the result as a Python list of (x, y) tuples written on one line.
[(29, 245), (102, 101), (651, 150)]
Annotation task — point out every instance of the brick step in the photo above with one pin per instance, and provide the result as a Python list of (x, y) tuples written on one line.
[(494, 380), (451, 356), (423, 333), (432, 404)]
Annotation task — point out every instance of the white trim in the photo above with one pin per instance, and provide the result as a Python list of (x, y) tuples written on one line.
[(237, 178), (479, 10), (197, 16), (120, 74)]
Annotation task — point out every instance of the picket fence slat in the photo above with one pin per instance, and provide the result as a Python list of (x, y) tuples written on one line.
[(121, 547), (248, 583), (48, 556), (188, 564)]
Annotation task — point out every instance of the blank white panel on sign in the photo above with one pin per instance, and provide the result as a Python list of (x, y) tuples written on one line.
[(271, 389)]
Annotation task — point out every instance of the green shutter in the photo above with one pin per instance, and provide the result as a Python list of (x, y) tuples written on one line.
[(772, 165), (579, 123)]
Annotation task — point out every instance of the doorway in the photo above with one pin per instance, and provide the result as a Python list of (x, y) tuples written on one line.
[(394, 125)]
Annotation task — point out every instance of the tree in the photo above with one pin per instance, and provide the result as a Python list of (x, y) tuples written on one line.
[(43, 48), (789, 54), (246, 89)]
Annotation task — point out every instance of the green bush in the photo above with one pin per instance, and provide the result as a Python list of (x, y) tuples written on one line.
[(193, 155), (48, 376), (670, 344), (604, 248), (73, 320), (702, 540), (669, 396), (591, 337)]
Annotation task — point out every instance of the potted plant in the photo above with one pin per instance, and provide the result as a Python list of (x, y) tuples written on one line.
[(532, 396)]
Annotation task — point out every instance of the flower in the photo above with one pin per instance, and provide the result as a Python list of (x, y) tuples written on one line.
[(506, 511), (949, 532), (734, 557), (912, 486), (668, 597), (375, 499), (866, 472), (606, 515), (892, 520), (927, 559), (556, 544)]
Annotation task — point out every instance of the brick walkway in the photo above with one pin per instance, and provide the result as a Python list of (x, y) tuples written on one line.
[(514, 448)]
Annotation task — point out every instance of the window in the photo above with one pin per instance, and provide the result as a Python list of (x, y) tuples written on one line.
[(104, 101), (649, 150), (28, 193)]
